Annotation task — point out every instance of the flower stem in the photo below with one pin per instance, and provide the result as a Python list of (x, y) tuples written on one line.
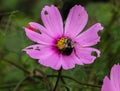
[(58, 78)]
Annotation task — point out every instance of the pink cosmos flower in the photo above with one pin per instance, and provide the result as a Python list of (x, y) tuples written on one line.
[(112, 84), (63, 46)]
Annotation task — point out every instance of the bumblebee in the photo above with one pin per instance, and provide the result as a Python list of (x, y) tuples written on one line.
[(65, 46)]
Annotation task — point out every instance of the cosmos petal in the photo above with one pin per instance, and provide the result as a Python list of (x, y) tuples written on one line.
[(39, 27), (76, 21), (85, 54), (52, 60), (68, 62), (52, 20), (107, 85), (115, 77), (45, 54), (37, 37), (37, 51), (90, 36)]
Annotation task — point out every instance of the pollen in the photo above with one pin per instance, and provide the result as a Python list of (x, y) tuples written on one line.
[(61, 43)]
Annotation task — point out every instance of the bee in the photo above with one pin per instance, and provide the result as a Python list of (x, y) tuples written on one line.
[(68, 47), (65, 46)]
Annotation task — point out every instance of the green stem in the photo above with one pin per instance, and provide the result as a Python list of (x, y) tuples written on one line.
[(58, 77)]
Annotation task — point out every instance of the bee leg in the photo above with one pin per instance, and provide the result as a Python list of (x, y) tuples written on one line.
[(76, 54)]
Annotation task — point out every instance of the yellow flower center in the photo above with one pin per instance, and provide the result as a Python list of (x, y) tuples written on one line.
[(61, 43)]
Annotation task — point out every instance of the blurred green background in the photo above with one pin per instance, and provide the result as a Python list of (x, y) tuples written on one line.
[(18, 71)]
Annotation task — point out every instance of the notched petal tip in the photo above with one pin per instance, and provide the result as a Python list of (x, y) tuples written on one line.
[(32, 23), (29, 47), (48, 6), (33, 26), (99, 26), (95, 52), (40, 28), (23, 49), (79, 6), (23, 27), (30, 26), (52, 20), (106, 80), (116, 65), (98, 53), (45, 9), (26, 29)]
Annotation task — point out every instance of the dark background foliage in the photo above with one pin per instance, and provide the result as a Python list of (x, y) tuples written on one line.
[(18, 72)]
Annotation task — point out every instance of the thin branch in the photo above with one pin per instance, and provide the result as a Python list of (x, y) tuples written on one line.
[(81, 83), (46, 80), (17, 66), (37, 74), (19, 84), (12, 85), (3, 13), (86, 84), (64, 76), (66, 87), (63, 81), (9, 20)]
